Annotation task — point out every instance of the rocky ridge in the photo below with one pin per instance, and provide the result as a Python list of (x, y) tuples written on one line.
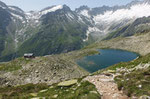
[(48, 69)]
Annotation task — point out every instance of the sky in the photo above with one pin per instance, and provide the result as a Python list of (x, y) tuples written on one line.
[(28, 5)]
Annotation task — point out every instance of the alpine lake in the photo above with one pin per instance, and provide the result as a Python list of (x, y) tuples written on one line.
[(106, 58)]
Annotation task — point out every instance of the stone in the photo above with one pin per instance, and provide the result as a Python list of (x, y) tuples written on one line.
[(68, 83), (31, 65), (93, 92), (67, 90), (46, 79), (140, 86), (51, 87), (44, 90), (55, 96), (144, 97), (33, 94), (37, 98), (36, 71), (111, 71)]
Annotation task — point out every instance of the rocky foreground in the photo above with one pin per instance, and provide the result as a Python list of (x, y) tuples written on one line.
[(106, 86), (125, 80)]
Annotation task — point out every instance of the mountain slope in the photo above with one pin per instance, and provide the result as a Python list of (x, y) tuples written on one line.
[(61, 31), (58, 29), (16, 32), (107, 19), (4, 22), (140, 25)]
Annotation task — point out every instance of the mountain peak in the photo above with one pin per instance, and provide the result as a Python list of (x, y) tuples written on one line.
[(3, 5), (147, 1), (81, 8), (14, 8)]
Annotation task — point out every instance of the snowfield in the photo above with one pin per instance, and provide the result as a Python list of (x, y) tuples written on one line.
[(135, 11), (53, 9)]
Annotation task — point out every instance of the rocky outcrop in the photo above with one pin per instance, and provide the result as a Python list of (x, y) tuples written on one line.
[(48, 69)]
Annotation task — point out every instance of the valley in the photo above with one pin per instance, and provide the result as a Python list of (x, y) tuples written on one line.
[(58, 29), (119, 70), (59, 36)]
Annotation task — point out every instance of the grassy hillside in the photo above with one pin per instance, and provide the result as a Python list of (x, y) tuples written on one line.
[(77, 90), (49, 69), (133, 77)]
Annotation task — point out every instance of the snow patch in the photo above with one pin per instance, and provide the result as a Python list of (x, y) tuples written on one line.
[(2, 7), (11, 8), (90, 30), (70, 15), (32, 15), (17, 16), (53, 9), (135, 11), (14, 9), (85, 13), (36, 15)]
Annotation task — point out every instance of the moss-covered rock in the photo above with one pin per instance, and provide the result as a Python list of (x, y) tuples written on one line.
[(67, 83)]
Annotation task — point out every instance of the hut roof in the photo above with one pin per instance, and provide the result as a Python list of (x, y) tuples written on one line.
[(28, 54)]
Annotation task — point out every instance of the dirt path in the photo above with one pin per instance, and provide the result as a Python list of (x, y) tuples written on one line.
[(106, 87)]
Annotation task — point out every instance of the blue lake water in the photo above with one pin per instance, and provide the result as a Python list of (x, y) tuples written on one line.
[(106, 58)]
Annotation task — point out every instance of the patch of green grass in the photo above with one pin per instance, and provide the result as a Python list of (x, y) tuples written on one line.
[(135, 83), (21, 92), (91, 46), (10, 67), (14, 65), (80, 90)]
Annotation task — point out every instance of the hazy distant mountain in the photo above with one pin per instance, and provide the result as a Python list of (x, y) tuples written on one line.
[(58, 29), (140, 25), (107, 19)]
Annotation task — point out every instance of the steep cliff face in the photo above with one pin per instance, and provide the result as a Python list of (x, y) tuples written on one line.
[(4, 22)]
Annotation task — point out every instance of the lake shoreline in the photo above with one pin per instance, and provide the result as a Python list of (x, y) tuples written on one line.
[(91, 64)]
